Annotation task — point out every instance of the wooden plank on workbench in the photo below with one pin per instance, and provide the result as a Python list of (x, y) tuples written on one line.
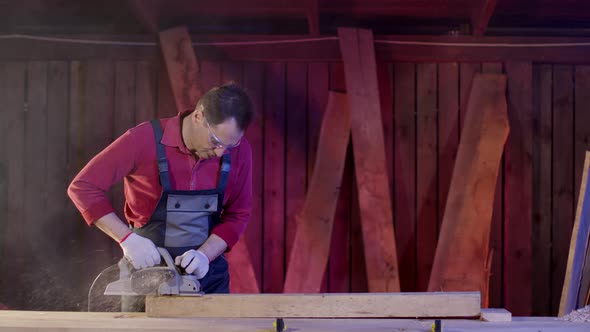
[(357, 305), (182, 67), (468, 213), (311, 245), (360, 68)]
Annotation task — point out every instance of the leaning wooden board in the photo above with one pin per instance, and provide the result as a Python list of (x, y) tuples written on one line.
[(357, 305)]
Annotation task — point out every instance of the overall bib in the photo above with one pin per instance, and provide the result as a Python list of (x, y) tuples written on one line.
[(183, 219)]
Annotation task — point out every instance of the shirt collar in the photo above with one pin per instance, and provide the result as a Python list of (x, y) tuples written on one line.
[(172, 135)]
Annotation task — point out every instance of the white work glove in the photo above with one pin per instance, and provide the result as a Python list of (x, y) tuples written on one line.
[(140, 252), (195, 262)]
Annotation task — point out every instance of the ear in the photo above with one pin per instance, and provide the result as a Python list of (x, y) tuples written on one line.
[(198, 115)]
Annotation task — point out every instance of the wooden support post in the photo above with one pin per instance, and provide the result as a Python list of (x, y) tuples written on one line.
[(182, 66), (358, 305), (578, 245), (358, 53), (462, 250), (310, 251)]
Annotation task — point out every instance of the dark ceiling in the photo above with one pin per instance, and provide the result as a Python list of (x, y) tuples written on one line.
[(420, 17)]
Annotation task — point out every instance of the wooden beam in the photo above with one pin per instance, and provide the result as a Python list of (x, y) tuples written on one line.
[(182, 66), (311, 246), (496, 315), (578, 245), (388, 48), (147, 13), (369, 157), (357, 305), (312, 10), (468, 212), (483, 11)]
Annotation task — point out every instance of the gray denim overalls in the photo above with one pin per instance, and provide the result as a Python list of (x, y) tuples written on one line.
[(183, 219)]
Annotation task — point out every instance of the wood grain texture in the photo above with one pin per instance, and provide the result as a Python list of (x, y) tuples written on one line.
[(311, 245), (369, 156), (563, 166), (415, 305), (467, 219), (182, 67), (518, 205), (405, 172)]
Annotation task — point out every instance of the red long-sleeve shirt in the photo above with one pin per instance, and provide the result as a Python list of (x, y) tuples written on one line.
[(132, 157)]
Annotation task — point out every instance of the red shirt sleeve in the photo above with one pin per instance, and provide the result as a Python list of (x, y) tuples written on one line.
[(238, 207), (88, 189)]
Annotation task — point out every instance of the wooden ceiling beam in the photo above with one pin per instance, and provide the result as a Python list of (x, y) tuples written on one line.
[(480, 18), (146, 12)]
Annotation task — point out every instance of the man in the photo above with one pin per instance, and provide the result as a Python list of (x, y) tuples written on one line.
[(188, 187)]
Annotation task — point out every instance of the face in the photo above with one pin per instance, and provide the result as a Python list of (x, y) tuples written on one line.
[(207, 140)]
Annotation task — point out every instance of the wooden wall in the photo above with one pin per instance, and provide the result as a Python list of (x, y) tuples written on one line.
[(55, 115)]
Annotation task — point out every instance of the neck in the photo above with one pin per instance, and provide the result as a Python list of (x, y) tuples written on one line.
[(184, 131)]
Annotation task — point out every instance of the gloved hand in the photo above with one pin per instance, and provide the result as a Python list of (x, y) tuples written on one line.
[(195, 262), (141, 252)]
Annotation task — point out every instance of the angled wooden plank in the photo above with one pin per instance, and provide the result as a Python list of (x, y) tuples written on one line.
[(542, 196), (310, 251), (182, 67), (481, 15), (147, 13), (318, 78), (426, 172), (468, 214), (582, 137), (339, 272), (12, 94), (415, 305), (405, 171), (448, 130), (496, 268), (254, 85), (562, 188), (360, 68), (274, 179), (578, 246), (518, 272)]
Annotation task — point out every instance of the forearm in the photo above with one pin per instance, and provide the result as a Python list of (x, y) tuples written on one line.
[(213, 247), (112, 226)]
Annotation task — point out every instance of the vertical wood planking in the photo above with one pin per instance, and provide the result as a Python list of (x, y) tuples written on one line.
[(124, 117), (98, 131), (563, 167), (253, 83), (296, 148), (339, 267), (165, 106), (582, 144), (274, 179), (59, 227), (519, 190), (12, 94), (210, 75), (542, 194), (405, 172), (496, 270), (318, 85), (145, 93), (466, 73), (426, 169), (448, 129), (582, 119)]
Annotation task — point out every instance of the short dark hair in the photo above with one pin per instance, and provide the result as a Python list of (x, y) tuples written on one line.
[(225, 102)]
